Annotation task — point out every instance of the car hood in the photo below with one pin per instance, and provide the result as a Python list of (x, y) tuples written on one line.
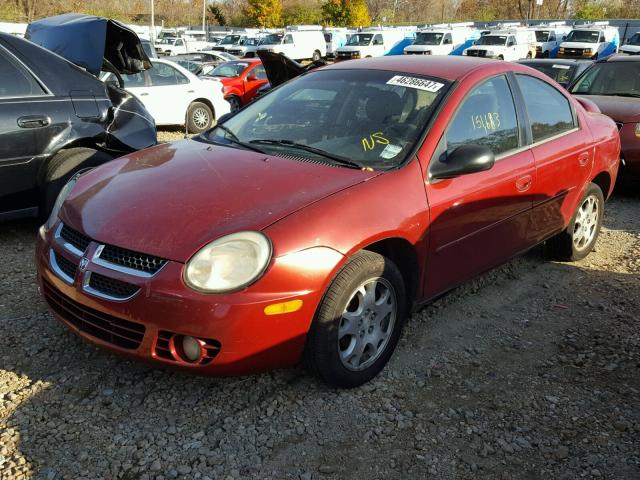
[(88, 41), (172, 199), (281, 68), (620, 109)]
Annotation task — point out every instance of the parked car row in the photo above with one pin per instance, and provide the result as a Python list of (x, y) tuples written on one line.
[(308, 223)]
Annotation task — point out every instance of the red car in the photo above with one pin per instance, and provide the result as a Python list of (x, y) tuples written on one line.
[(241, 79), (613, 84), (313, 221)]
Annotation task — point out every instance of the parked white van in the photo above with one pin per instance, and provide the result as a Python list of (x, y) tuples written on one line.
[(632, 45), (548, 38), (443, 39), (297, 42), (590, 40), (507, 45), (178, 45), (334, 38), (370, 43)]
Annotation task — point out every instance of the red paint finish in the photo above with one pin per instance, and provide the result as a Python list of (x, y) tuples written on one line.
[(171, 200), (245, 85)]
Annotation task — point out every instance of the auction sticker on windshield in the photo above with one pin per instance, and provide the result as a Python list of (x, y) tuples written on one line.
[(414, 82)]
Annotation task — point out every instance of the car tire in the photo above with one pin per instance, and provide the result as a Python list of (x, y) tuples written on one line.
[(199, 117), (579, 238), (528, 54), (500, 57), (316, 56), (235, 103), (60, 169), (353, 336)]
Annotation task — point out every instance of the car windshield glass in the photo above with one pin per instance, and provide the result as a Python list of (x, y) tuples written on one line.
[(273, 39), (230, 40), (492, 40), (560, 73), (226, 55), (635, 40), (252, 42), (229, 69), (167, 41), (542, 35), (428, 38), (584, 36), (610, 78), (370, 117), (360, 39)]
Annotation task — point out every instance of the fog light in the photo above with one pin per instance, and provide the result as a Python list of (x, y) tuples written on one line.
[(191, 348)]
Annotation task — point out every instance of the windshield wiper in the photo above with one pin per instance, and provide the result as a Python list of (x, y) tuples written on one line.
[(233, 138), (301, 146)]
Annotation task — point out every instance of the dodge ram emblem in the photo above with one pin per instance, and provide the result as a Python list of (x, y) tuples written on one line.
[(84, 263)]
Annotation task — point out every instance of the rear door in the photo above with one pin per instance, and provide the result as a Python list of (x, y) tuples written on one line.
[(169, 94), (480, 220), (563, 153), (26, 110)]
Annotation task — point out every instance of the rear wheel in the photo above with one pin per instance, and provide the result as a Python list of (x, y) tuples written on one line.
[(359, 321), (528, 54), (579, 238), (199, 117), (500, 57), (61, 168)]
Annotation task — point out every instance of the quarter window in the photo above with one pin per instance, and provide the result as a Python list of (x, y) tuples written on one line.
[(15, 81), (548, 110), (487, 116)]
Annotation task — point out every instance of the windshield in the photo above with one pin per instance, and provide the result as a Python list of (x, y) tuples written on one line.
[(360, 39), (560, 73), (610, 78), (542, 35), (194, 68), (273, 39), (492, 40), (635, 40), (167, 41), (585, 36), (365, 116), (226, 56), (229, 70), (428, 38), (251, 42), (230, 40)]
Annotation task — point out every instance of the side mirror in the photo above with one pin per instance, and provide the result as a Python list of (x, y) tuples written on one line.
[(251, 77), (462, 160), (474, 42)]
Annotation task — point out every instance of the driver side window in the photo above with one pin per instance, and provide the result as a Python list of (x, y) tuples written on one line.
[(288, 39), (487, 116), (511, 42), (377, 40)]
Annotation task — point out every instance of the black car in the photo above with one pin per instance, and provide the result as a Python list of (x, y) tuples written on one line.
[(562, 70), (57, 118)]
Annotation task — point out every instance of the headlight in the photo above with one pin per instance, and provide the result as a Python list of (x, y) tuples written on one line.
[(62, 196), (561, 50), (587, 51), (490, 53), (229, 263), (637, 130)]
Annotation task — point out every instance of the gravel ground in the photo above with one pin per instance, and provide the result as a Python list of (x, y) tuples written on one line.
[(531, 371)]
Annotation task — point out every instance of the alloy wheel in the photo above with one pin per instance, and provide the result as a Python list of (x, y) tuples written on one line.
[(366, 324), (586, 223)]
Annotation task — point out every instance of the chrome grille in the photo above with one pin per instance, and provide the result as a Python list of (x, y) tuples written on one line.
[(130, 259), (476, 53), (67, 266), (75, 238)]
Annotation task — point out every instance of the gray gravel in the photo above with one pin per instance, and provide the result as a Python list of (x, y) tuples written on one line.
[(531, 371)]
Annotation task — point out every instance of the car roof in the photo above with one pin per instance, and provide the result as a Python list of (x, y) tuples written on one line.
[(448, 67), (622, 58), (555, 61)]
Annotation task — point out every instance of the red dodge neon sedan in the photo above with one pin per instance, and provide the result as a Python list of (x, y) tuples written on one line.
[(309, 224)]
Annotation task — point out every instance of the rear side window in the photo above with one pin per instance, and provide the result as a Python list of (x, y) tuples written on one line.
[(15, 80), (162, 74), (549, 110), (487, 116)]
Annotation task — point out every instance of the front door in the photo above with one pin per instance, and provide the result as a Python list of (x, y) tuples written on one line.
[(480, 220)]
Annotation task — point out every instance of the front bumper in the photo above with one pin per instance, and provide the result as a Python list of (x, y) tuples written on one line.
[(242, 337)]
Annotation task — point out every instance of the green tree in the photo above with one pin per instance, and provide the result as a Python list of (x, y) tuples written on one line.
[(301, 15), (590, 11), (216, 12), (335, 13), (264, 13)]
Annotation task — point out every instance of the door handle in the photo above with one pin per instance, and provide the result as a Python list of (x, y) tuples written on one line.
[(524, 183), (190, 91), (583, 158), (33, 121), (144, 94)]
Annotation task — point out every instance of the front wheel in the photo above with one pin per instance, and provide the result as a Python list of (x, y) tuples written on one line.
[(199, 117), (316, 56), (235, 103), (579, 238), (359, 321), (500, 57), (528, 54)]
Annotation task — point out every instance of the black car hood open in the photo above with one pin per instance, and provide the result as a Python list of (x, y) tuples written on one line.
[(88, 41), (281, 69)]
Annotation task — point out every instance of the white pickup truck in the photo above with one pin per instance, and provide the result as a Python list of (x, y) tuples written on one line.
[(507, 45)]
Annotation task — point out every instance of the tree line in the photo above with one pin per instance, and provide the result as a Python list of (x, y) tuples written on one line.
[(353, 13)]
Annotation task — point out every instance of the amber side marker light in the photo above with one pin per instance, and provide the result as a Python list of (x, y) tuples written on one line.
[(284, 307)]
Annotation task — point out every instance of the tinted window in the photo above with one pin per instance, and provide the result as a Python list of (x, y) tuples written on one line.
[(162, 74), (548, 110), (15, 81), (610, 78), (487, 116)]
